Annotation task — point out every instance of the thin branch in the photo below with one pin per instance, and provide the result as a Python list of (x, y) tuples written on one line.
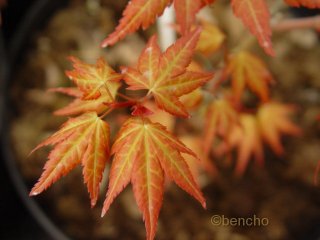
[(106, 113), (126, 97), (297, 23)]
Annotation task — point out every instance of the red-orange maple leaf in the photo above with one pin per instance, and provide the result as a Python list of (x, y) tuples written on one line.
[(246, 138), (165, 76), (186, 11), (85, 140), (255, 15), (79, 106), (220, 119), (92, 79), (97, 86), (304, 3), (193, 99), (274, 121), (143, 13), (247, 69), (143, 153), (138, 13)]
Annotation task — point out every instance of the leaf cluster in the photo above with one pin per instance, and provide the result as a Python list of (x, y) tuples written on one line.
[(144, 152)]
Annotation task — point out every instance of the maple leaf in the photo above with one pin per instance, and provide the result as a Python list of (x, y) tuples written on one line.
[(304, 3), (255, 15), (247, 69), (165, 76), (246, 138), (220, 119), (78, 105), (211, 38), (186, 13), (92, 79), (97, 86), (70, 91), (85, 140), (138, 13), (143, 153), (193, 99), (143, 13), (274, 121), (249, 135)]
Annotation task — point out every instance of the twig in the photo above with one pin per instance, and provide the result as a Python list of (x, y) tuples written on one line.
[(297, 23), (125, 97)]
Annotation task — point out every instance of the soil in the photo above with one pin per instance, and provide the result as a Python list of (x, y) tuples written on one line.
[(282, 192)]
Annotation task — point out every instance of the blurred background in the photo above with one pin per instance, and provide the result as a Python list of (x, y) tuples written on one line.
[(18, 223)]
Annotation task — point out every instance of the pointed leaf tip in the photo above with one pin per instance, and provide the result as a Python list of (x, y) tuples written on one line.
[(166, 75), (137, 14), (91, 79), (143, 153), (256, 17), (33, 193), (83, 139), (258, 81)]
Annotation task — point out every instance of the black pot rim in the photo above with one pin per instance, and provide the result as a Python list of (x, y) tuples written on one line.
[(31, 21)]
